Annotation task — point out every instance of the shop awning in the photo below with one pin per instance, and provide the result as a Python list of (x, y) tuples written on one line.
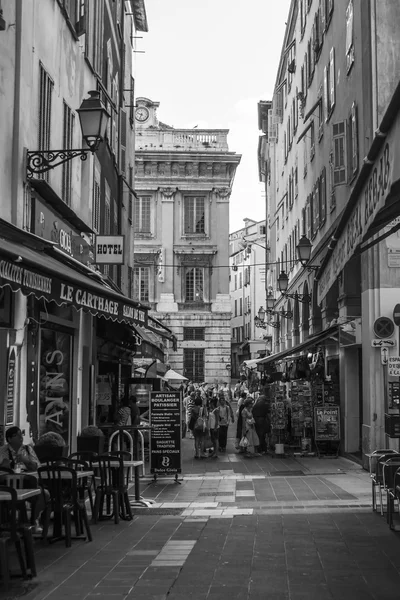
[(312, 341), (150, 345), (252, 363), (30, 270)]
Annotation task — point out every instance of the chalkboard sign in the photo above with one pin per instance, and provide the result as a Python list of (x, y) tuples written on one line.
[(327, 423), (165, 440)]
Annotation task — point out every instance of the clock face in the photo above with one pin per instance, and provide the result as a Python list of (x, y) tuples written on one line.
[(142, 114)]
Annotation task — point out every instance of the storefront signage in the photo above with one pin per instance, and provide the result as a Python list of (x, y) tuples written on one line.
[(327, 423), (49, 226), (165, 441), (10, 389), (394, 366), (109, 249), (371, 200), (29, 281)]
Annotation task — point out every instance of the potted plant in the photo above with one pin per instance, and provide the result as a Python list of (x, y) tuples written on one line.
[(91, 439), (51, 445)]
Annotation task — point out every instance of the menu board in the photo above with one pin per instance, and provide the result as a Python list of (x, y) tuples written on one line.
[(327, 423), (165, 440)]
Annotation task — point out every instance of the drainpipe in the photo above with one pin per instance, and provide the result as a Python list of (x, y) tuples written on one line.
[(16, 114)]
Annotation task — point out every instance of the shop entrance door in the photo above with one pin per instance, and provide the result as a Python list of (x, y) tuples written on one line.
[(55, 386)]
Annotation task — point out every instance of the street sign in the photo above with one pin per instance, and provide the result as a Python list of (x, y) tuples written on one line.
[(394, 366), (383, 343), (396, 314), (228, 366), (384, 356), (384, 327)]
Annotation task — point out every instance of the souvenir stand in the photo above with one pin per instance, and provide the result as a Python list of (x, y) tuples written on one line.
[(301, 416), (277, 393)]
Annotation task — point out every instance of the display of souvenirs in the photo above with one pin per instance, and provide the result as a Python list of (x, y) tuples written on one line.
[(301, 407), (325, 392), (279, 406)]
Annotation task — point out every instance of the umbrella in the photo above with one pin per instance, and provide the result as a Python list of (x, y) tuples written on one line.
[(172, 375)]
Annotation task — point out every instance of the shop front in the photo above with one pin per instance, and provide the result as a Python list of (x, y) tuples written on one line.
[(61, 327)]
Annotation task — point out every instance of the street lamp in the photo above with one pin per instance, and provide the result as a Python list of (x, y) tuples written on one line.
[(283, 282), (304, 248), (93, 117)]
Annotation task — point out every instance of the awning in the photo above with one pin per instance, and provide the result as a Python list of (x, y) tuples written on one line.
[(252, 363), (31, 271), (312, 341), (151, 345)]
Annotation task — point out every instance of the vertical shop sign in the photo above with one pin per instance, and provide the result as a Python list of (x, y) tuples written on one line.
[(9, 416), (165, 441)]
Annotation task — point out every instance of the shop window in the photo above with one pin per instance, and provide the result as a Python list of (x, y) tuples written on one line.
[(193, 364), (194, 215), (5, 307), (194, 284), (194, 334), (339, 153), (68, 132), (141, 282), (55, 381), (142, 218)]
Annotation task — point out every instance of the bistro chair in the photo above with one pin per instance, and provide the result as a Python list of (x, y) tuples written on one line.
[(85, 485), (11, 535), (389, 470), (113, 486), (62, 485), (377, 478)]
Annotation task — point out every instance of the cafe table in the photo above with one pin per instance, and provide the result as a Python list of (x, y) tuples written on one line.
[(22, 494), (135, 465)]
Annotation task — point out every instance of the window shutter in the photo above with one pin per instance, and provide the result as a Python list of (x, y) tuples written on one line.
[(96, 201), (322, 197), (308, 218), (316, 207), (322, 11), (80, 25), (303, 221), (339, 153), (326, 95), (332, 82), (354, 137), (123, 120)]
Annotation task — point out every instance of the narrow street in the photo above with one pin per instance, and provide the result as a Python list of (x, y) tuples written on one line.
[(251, 529)]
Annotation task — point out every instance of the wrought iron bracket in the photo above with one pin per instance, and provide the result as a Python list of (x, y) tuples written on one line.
[(265, 324), (304, 298), (288, 314), (41, 161)]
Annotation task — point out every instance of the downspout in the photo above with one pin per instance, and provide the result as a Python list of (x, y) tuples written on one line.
[(16, 114)]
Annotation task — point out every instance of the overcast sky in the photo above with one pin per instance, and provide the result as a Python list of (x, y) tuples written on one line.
[(208, 63)]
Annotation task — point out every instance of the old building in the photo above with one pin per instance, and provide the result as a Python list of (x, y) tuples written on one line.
[(68, 324), (183, 184), (328, 148)]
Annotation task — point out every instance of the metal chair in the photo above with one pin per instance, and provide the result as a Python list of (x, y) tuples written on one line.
[(377, 476), (113, 487), (61, 483), (13, 532), (389, 470)]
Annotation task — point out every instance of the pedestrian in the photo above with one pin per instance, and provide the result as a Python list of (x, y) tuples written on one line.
[(213, 423), (261, 417), (227, 391), (189, 400), (225, 412), (197, 425), (239, 427), (124, 413), (248, 429)]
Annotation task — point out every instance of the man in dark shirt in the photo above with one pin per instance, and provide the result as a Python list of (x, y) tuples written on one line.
[(261, 418)]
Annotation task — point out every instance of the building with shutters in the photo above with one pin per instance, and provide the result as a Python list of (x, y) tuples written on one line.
[(328, 176), (67, 323), (183, 181)]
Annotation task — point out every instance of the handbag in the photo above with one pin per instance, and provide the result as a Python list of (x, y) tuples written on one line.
[(200, 424), (244, 442)]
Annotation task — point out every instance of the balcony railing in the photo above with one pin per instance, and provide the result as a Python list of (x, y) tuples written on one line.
[(189, 306), (196, 140)]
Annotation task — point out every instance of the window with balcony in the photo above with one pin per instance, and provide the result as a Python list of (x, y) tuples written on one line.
[(194, 215)]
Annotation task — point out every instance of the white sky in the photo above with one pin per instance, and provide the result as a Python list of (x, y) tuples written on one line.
[(208, 63)]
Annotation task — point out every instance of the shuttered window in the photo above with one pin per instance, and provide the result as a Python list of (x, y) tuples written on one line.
[(123, 125), (322, 198), (339, 153), (107, 210), (68, 129), (194, 215), (96, 201), (353, 141), (45, 97), (142, 220)]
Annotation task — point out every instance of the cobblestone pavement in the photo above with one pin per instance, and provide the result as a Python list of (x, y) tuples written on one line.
[(234, 528)]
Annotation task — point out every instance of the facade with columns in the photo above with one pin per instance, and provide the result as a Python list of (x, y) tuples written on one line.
[(329, 147), (183, 182)]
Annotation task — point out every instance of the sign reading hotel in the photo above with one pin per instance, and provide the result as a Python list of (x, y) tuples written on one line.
[(371, 200), (109, 250)]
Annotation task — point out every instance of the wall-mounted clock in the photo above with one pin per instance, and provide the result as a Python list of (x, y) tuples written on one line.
[(142, 114)]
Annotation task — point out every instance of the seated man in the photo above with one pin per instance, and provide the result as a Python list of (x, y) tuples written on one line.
[(23, 457)]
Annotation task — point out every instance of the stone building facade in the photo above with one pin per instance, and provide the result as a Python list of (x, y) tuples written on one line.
[(183, 183)]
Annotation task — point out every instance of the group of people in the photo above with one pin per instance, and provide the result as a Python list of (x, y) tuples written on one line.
[(208, 413)]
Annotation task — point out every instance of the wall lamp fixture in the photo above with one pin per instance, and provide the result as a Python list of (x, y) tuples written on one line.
[(283, 282), (304, 248), (93, 117)]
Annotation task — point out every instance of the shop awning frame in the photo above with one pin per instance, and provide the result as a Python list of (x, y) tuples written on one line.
[(311, 341)]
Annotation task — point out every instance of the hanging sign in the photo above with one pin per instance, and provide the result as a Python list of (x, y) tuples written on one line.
[(12, 356), (165, 439), (327, 423), (109, 249)]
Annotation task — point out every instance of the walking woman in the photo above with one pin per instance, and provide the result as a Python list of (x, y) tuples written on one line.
[(225, 413), (248, 428), (239, 425), (198, 412)]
